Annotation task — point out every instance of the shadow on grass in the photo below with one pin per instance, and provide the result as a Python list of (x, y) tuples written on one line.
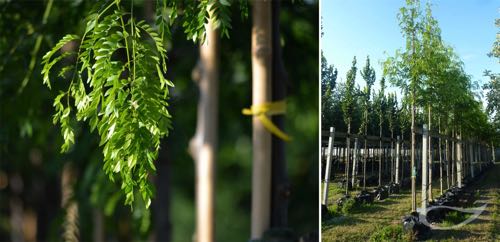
[(368, 208), (340, 221), (387, 202), (452, 234)]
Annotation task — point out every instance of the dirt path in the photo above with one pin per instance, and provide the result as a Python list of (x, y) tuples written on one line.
[(363, 222)]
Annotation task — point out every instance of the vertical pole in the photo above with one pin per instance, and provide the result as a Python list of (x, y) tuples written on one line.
[(355, 162), (331, 139), (425, 146), (261, 93), (398, 154)]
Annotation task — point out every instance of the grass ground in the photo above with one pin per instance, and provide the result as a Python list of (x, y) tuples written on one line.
[(364, 221)]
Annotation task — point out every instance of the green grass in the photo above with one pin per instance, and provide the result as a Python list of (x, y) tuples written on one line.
[(381, 220), (390, 233)]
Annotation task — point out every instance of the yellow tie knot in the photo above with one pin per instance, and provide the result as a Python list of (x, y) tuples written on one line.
[(272, 108)]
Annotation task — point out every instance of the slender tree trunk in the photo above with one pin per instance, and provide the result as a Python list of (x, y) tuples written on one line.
[(261, 93), (348, 157), (355, 162), (425, 184), (365, 158), (280, 185), (403, 156), (365, 151), (98, 219), (71, 231), (16, 208), (470, 168), (459, 160), (493, 152), (392, 156), (380, 156), (203, 146), (398, 158), (162, 201), (440, 151), (413, 168), (431, 158), (453, 158)]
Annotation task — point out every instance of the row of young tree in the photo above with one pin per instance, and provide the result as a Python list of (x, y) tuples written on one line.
[(434, 88)]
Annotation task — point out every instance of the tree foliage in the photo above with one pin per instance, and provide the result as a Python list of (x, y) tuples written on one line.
[(348, 99), (493, 87), (118, 85), (368, 74)]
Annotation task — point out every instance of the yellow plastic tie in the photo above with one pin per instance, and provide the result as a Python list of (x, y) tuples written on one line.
[(272, 108)]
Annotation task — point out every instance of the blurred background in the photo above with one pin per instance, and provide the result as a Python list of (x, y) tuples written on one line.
[(39, 186)]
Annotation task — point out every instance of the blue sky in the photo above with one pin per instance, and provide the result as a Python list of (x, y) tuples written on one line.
[(370, 27)]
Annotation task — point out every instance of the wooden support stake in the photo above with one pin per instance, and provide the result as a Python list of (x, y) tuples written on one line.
[(328, 164)]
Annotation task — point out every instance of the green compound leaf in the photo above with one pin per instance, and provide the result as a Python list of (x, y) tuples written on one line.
[(118, 86)]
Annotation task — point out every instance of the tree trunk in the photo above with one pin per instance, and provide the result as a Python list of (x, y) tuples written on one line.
[(440, 151), (203, 146), (398, 155), (425, 184), (393, 160), (261, 94), (348, 157), (380, 156), (493, 152), (68, 178), (453, 158), (459, 160), (161, 204), (431, 160), (447, 160), (365, 158), (355, 162)]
